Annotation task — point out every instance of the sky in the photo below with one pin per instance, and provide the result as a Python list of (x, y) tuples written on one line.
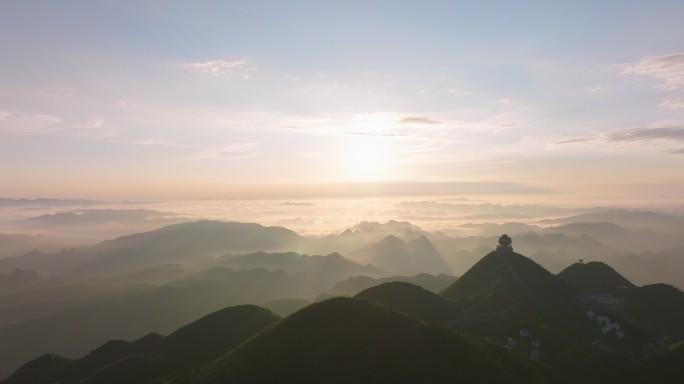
[(579, 101)]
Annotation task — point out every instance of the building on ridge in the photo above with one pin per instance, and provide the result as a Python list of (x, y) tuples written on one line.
[(505, 243)]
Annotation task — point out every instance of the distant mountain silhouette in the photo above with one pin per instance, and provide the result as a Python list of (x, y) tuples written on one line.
[(14, 245), (345, 340), (595, 278), (189, 240), (398, 257), (44, 202), (362, 235), (317, 273), (415, 301), (169, 244), (617, 237), (628, 219)]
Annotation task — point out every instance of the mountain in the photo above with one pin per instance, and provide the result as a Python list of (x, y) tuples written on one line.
[(362, 235), (628, 219), (316, 273), (356, 284), (557, 250), (152, 356), (345, 340), (599, 230), (56, 369), (14, 245), (75, 331), (172, 243), (211, 336), (656, 308), (595, 278), (190, 240), (663, 367), (285, 307), (620, 238), (505, 288), (415, 301), (398, 257), (649, 267), (43, 202), (508, 274)]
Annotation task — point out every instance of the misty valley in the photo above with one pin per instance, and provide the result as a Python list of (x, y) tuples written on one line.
[(592, 297)]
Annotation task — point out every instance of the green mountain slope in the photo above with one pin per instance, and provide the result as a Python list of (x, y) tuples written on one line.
[(509, 275), (153, 356), (415, 301), (505, 288), (595, 278), (345, 340)]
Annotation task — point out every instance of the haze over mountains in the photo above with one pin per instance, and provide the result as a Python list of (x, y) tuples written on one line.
[(588, 324), (156, 281)]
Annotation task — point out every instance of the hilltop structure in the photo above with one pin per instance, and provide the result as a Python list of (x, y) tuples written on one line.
[(505, 243)]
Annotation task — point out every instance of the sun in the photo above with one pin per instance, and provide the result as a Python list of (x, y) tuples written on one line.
[(367, 159)]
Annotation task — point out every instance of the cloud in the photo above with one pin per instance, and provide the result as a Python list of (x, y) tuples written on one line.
[(57, 91), (664, 139), (127, 104), (21, 122), (669, 69), (675, 133), (235, 150), (574, 141), (217, 67), (384, 134), (419, 120), (673, 103)]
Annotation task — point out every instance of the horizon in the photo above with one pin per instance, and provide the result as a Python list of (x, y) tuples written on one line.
[(164, 100)]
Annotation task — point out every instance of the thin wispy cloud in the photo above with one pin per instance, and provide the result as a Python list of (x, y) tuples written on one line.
[(668, 69), (658, 138), (382, 134), (127, 104), (673, 103), (57, 91), (574, 141), (16, 122), (417, 120), (675, 133), (235, 150), (231, 151), (218, 68)]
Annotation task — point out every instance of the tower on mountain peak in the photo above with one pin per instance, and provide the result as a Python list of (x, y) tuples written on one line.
[(505, 243)]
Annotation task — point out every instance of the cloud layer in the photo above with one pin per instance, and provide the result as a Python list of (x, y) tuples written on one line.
[(217, 67), (668, 69)]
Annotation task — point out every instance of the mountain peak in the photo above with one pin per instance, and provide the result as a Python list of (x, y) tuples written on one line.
[(506, 273), (594, 277)]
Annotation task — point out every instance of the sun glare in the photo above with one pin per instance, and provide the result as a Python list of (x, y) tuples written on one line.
[(367, 159)]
